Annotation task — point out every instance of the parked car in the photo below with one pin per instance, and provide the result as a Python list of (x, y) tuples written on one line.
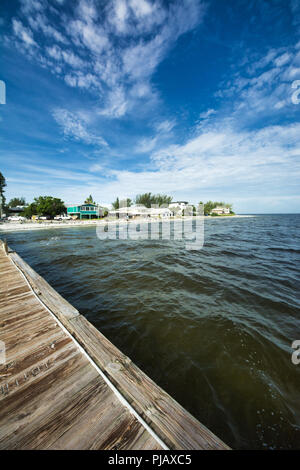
[(43, 217), (63, 217), (16, 218)]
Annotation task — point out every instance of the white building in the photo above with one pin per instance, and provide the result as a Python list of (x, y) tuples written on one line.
[(181, 204), (140, 210), (220, 210), (179, 207), (161, 212)]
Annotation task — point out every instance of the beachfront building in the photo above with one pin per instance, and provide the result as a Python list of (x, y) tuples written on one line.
[(84, 211), (18, 210), (220, 210), (140, 211), (161, 212), (178, 207), (130, 212), (181, 204)]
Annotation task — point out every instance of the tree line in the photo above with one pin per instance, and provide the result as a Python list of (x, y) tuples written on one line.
[(146, 199), (149, 199)]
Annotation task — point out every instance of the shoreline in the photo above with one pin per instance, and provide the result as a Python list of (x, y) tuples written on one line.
[(16, 227)]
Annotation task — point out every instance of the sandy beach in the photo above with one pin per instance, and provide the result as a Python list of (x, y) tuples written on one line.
[(19, 226)]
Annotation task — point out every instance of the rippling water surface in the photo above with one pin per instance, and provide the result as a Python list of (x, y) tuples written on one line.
[(213, 327)]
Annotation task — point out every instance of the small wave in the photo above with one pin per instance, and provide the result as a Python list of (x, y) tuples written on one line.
[(284, 249)]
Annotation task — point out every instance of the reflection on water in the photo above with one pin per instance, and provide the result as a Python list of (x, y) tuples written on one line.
[(213, 327)]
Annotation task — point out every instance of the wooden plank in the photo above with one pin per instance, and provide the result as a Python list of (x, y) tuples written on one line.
[(4, 246), (21, 411), (101, 425), (25, 340), (39, 357), (116, 429), (28, 420), (174, 425), (54, 301)]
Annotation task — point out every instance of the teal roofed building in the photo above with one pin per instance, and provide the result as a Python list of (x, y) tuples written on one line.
[(85, 211)]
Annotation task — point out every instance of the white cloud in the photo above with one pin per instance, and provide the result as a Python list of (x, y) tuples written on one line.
[(119, 72), (23, 33), (81, 80), (207, 113), (141, 90), (74, 127), (264, 88), (87, 10), (282, 59), (92, 36), (141, 7), (39, 22), (163, 132), (146, 145), (225, 156), (54, 52), (119, 15), (73, 60), (116, 104), (96, 168), (139, 61), (165, 126), (32, 6)]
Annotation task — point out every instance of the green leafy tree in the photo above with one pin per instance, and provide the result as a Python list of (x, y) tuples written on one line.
[(147, 199), (116, 204), (46, 206), (17, 201), (51, 206), (2, 197), (125, 202), (30, 210), (122, 203), (161, 199), (144, 199), (208, 207)]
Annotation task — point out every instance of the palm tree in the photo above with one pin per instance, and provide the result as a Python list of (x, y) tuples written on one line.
[(116, 204), (89, 200)]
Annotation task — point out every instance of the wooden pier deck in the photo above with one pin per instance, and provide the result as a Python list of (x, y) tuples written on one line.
[(63, 385)]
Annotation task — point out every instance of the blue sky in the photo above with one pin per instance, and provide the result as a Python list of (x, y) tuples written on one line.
[(187, 97)]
